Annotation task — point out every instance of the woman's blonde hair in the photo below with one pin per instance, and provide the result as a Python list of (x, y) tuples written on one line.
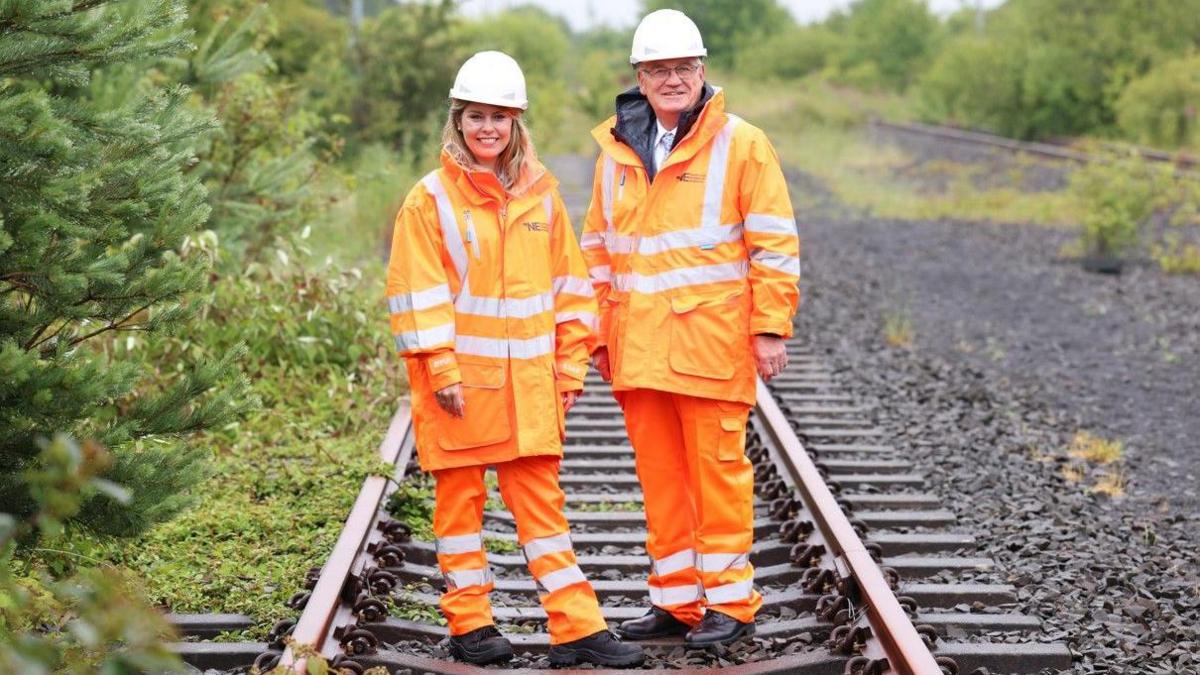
[(511, 159)]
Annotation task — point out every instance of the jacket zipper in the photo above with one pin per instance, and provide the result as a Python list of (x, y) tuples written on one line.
[(472, 237)]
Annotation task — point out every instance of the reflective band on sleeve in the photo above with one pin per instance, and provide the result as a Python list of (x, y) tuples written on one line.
[(606, 188), (500, 348), (426, 338), (719, 562), (464, 578), (573, 286), (618, 243), (741, 590), (450, 234), (562, 578), (714, 183), (586, 318), (762, 223), (536, 548), (674, 595), (419, 300), (777, 261), (600, 274), (684, 276), (591, 240), (680, 560), (460, 543), (499, 308), (697, 237)]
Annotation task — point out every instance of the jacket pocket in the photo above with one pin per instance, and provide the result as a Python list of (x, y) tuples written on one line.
[(486, 419), (731, 443), (708, 335)]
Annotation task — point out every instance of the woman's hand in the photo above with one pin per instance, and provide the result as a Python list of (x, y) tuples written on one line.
[(451, 400), (568, 400)]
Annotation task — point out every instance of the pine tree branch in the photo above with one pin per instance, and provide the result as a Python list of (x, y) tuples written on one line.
[(118, 325)]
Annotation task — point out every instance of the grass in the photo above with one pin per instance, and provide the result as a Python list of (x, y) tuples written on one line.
[(1095, 449), (1093, 455), (608, 507), (898, 329)]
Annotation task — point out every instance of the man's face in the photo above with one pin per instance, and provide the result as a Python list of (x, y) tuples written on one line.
[(671, 85)]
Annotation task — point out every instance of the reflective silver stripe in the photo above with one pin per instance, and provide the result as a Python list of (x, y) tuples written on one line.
[(541, 546), (618, 243), (464, 578), (719, 562), (739, 590), (697, 237), (586, 318), (600, 274), (418, 300), (499, 308), (450, 234), (680, 560), (548, 204), (684, 276), (500, 348), (460, 543), (714, 183), (762, 223), (573, 286), (591, 240), (776, 261), (674, 595), (557, 579), (606, 186), (426, 338)]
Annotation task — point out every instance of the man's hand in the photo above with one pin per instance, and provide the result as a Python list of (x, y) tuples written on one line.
[(568, 400), (600, 363), (451, 400), (770, 356)]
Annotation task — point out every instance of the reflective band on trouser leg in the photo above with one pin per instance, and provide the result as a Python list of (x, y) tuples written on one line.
[(654, 429), (530, 488), (457, 518)]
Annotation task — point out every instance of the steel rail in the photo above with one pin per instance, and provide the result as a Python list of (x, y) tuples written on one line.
[(905, 650), (317, 623)]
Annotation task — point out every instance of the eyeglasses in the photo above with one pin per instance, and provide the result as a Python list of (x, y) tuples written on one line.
[(660, 74)]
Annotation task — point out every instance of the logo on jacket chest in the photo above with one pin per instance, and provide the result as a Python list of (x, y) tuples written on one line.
[(687, 177), (534, 226)]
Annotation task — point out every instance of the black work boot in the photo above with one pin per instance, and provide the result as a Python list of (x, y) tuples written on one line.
[(481, 646), (601, 649), (717, 629), (655, 624)]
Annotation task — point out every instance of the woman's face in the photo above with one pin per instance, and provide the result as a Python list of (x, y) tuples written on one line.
[(487, 129)]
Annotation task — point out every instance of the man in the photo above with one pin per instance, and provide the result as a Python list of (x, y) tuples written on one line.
[(692, 249)]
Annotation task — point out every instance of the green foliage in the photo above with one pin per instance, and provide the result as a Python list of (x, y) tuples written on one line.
[(303, 36), (791, 54), (496, 545), (412, 504), (1117, 197), (94, 621), (728, 27), (97, 204), (1053, 67), (1161, 107), (1174, 256), (885, 43)]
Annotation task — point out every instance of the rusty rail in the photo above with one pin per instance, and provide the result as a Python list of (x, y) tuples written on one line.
[(902, 646), (329, 609)]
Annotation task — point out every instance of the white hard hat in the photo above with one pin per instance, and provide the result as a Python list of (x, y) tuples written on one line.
[(493, 78), (666, 34)]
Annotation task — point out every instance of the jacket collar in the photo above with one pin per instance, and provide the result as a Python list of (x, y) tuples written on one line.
[(634, 125), (480, 186)]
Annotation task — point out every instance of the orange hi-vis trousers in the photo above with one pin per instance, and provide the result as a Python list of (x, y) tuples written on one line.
[(529, 487), (698, 488)]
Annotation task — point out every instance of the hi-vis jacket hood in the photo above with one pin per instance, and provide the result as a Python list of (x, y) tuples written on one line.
[(486, 287), (689, 264)]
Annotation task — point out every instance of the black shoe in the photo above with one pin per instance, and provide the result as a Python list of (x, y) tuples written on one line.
[(717, 629), (601, 649), (655, 624), (481, 646)]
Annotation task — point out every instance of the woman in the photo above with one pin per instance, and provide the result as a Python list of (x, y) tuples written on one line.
[(492, 310)]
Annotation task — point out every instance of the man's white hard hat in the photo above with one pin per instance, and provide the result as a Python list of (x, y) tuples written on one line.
[(666, 34), (493, 78)]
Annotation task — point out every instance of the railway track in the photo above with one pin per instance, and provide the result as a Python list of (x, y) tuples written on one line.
[(861, 570)]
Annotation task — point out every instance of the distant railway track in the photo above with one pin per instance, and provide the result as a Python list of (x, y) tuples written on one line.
[(861, 570), (1060, 151)]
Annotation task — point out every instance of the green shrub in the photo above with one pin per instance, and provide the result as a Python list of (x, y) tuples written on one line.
[(791, 54), (1161, 107), (886, 43), (1116, 198)]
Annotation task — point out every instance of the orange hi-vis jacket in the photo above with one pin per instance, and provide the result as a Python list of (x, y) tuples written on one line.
[(689, 266), (488, 288)]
